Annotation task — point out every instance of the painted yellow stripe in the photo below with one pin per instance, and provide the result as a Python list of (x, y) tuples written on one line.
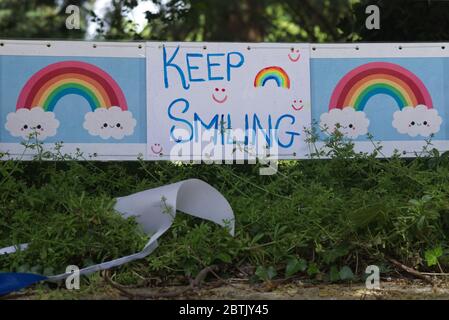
[(355, 92)]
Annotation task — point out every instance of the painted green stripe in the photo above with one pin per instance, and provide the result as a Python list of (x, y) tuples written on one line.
[(379, 86), (67, 86)]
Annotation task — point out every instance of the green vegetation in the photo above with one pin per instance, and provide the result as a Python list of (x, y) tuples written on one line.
[(320, 219)]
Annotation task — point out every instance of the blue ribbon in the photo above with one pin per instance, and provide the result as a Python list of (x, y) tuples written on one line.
[(10, 282)]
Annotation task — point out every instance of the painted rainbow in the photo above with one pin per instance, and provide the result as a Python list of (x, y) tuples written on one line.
[(368, 80), (274, 73), (46, 87)]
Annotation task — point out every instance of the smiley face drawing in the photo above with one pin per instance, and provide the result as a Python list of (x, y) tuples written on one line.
[(297, 105), (156, 149), (219, 95), (294, 55)]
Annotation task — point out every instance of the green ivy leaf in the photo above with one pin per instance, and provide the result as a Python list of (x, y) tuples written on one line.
[(313, 269), (346, 273), (294, 266), (265, 274), (331, 256), (433, 255)]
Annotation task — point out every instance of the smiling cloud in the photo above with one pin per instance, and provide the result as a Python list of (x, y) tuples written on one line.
[(417, 121), (107, 123), (351, 123), (25, 122)]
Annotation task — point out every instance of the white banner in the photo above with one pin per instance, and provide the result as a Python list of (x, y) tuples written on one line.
[(390, 95), (88, 96), (218, 101), (227, 101)]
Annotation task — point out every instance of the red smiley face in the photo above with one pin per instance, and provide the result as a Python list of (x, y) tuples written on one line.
[(294, 55), (219, 95), (297, 105)]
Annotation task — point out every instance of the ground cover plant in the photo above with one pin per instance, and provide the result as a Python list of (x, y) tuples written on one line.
[(323, 219)]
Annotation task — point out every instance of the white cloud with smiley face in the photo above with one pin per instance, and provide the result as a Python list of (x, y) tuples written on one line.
[(110, 123), (347, 121), (418, 120), (34, 122)]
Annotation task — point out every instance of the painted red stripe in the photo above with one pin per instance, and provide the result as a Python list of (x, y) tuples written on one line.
[(416, 90), (109, 90)]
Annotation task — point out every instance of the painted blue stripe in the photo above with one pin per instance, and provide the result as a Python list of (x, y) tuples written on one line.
[(10, 282), (67, 91), (377, 91), (271, 78)]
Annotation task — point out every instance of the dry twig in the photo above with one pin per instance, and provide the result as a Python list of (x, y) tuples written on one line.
[(194, 284), (411, 271)]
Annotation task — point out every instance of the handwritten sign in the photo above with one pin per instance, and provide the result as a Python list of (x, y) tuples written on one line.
[(227, 101)]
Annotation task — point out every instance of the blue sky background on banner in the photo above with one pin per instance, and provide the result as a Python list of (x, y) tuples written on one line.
[(327, 72), (129, 73)]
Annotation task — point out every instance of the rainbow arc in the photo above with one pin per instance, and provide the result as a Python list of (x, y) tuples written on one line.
[(46, 87), (273, 73), (358, 86)]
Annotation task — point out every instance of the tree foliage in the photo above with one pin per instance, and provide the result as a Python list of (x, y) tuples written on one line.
[(233, 20), (405, 20), (38, 19), (247, 20)]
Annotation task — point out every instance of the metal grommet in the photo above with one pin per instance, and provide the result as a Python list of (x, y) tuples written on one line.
[(48, 45)]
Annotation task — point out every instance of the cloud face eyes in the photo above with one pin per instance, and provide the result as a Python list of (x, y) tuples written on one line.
[(348, 121), (36, 122), (417, 121), (25, 122), (110, 123), (116, 123)]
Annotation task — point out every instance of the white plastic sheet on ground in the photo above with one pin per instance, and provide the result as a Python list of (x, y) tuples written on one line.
[(155, 210)]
